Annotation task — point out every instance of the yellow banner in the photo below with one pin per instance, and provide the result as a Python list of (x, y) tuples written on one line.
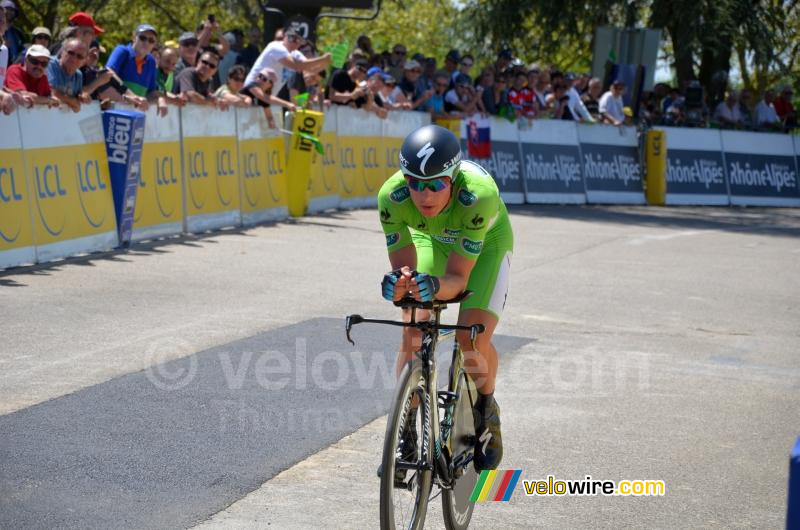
[(15, 202), (262, 168), (299, 160), (158, 199), (351, 168), (454, 124), (71, 191), (374, 164), (324, 180), (212, 173)]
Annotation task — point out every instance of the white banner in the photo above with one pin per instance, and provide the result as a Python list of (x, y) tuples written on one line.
[(552, 163), (695, 167), (611, 167)]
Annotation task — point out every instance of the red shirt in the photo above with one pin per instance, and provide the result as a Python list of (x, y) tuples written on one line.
[(522, 100), (18, 79), (783, 107)]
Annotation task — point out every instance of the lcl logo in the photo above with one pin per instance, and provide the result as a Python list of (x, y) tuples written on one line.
[(89, 179), (49, 188), (9, 194)]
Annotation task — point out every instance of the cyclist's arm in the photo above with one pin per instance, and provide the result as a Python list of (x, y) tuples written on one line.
[(455, 276), (405, 257)]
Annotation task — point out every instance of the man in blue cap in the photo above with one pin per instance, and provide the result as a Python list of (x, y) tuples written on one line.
[(136, 68)]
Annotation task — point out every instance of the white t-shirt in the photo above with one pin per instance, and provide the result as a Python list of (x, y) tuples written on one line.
[(271, 57), (730, 114), (612, 105), (3, 64), (577, 107), (765, 113)]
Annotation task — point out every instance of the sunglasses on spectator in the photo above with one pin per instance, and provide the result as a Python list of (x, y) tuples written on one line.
[(75, 54), (362, 69), (443, 85), (293, 38), (420, 185), (40, 63), (145, 38), (467, 64), (399, 52), (208, 63), (263, 79), (189, 43), (42, 36), (238, 79)]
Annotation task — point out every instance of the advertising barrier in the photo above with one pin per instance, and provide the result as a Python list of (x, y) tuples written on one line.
[(305, 126), (505, 164), (16, 226), (761, 168), (611, 167), (323, 192), (695, 167), (66, 164), (551, 163), (159, 208), (211, 168), (262, 167), (358, 184)]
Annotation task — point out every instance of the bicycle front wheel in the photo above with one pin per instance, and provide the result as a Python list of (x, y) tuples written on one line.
[(404, 490), (456, 506)]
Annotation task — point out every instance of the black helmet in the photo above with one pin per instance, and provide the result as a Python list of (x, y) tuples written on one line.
[(430, 152)]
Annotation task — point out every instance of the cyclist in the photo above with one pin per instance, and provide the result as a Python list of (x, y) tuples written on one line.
[(447, 230)]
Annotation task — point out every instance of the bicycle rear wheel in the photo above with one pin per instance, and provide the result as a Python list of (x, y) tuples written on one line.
[(404, 503), (456, 506)]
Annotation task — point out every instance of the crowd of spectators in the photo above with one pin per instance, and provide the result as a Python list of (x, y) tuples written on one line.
[(220, 70)]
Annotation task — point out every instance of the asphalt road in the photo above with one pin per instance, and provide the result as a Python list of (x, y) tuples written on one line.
[(206, 380)]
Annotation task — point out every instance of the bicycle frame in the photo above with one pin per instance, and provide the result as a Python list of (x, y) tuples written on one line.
[(432, 332)]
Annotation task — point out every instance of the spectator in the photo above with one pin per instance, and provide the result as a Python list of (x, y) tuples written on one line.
[(235, 39), (533, 78), (727, 112), (591, 99), (374, 87), (461, 100), (504, 58), (391, 95), (542, 87), (253, 49), (576, 107), (280, 57), (558, 102), (435, 104), (451, 61), (230, 91), (13, 38), (412, 86), (304, 82), (428, 73), (521, 97), (397, 61), (188, 51), (364, 47), (673, 96), (65, 77), (195, 81), (81, 26), (39, 35), (611, 106), (95, 80), (464, 66), (7, 103), (28, 80), (494, 97), (260, 91), (346, 88), (766, 117), (746, 109), (165, 74), (279, 35), (134, 65), (5, 58), (785, 108)]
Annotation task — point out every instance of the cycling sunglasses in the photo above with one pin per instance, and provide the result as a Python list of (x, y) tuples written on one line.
[(420, 185)]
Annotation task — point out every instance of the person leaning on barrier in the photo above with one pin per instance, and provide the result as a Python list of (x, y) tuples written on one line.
[(195, 81), (308, 82), (766, 118), (233, 84), (785, 108), (28, 82), (727, 113), (346, 86), (260, 91), (165, 77), (81, 26), (611, 105), (591, 99), (134, 65), (96, 80), (65, 76)]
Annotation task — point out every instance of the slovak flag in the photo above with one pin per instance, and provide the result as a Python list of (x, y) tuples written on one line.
[(479, 143)]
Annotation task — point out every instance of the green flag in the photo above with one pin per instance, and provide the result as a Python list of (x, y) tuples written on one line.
[(302, 99), (314, 140), (338, 53), (612, 56)]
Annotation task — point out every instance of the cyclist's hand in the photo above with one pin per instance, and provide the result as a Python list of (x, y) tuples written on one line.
[(395, 284), (424, 287)]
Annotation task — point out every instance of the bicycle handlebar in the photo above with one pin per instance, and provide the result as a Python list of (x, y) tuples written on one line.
[(352, 320)]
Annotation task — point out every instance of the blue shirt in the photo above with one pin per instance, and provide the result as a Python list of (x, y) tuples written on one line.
[(435, 104), (71, 85), (123, 62)]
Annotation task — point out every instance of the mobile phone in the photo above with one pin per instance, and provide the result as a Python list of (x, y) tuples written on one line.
[(212, 18)]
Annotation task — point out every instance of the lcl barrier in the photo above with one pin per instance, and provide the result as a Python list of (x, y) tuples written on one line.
[(203, 170)]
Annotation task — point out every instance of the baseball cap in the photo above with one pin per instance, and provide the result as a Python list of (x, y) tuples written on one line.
[(463, 80), (146, 27), (374, 70), (8, 4), (410, 65), (292, 31), (85, 19), (187, 36), (505, 53), (569, 76), (453, 55), (37, 50), (41, 30), (269, 73), (389, 79), (618, 82)]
